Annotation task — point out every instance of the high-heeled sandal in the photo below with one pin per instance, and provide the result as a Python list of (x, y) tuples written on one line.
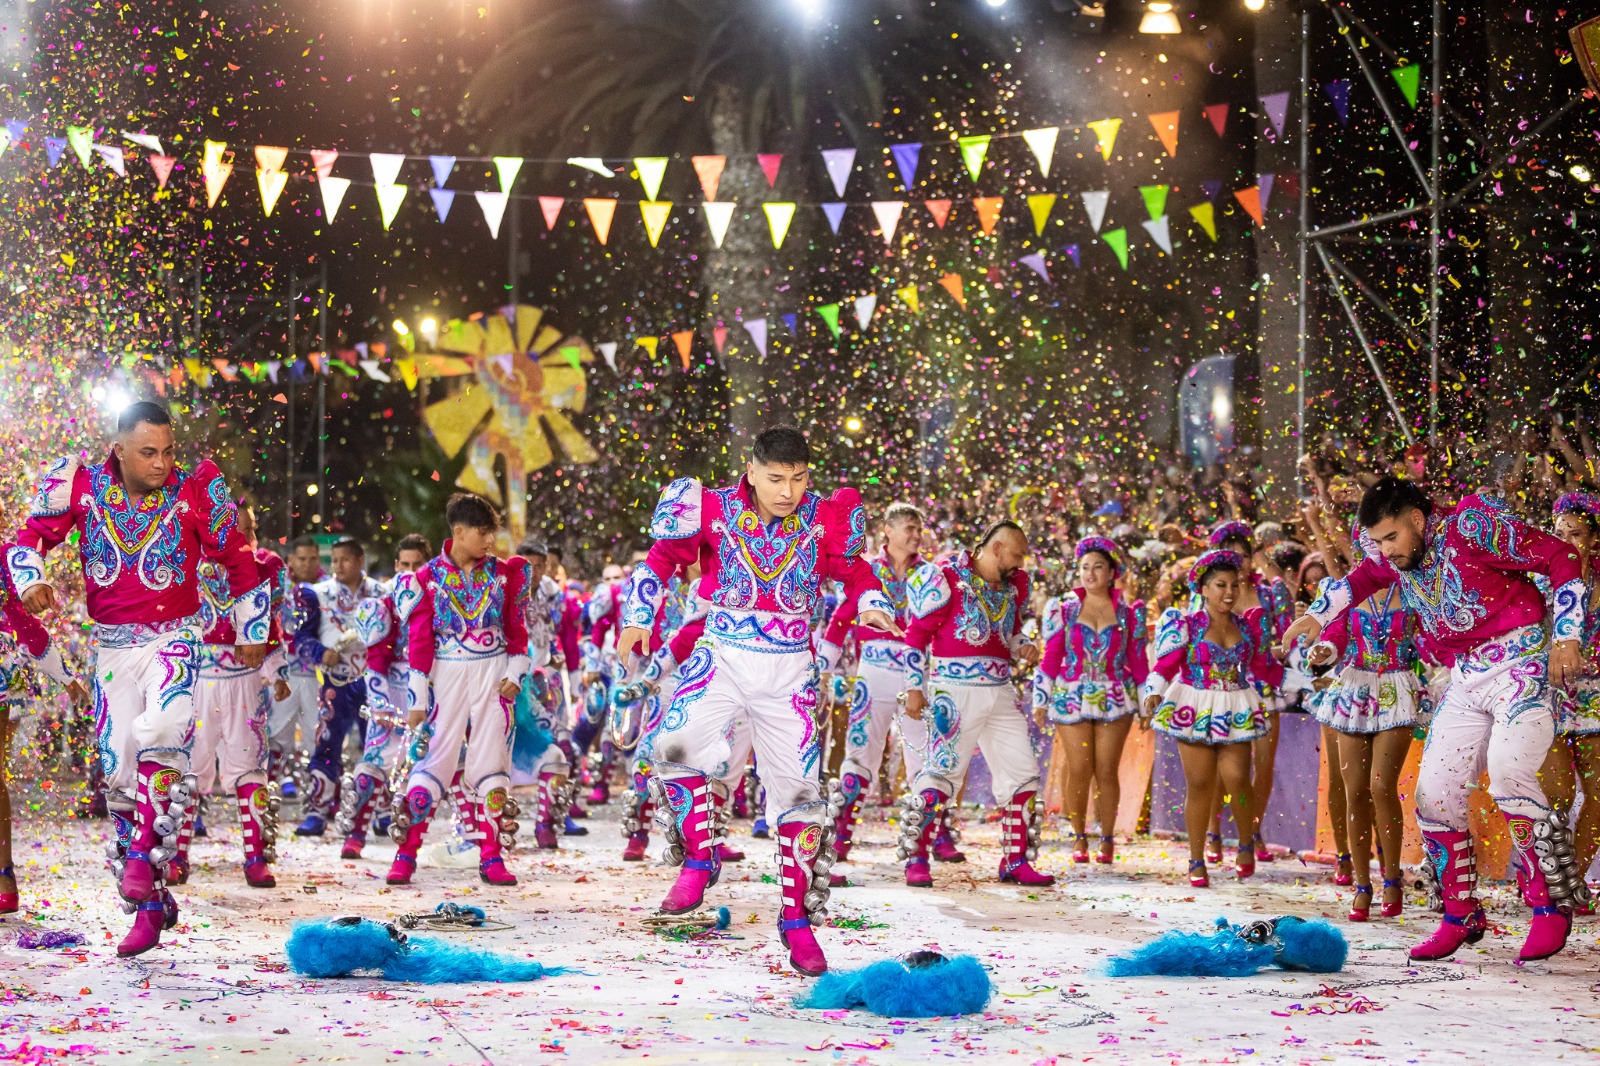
[(1340, 878), (1108, 849), (1244, 861), (1392, 910), (1214, 847), (9, 901), (1263, 853), (1200, 879), (1080, 850), (1359, 913)]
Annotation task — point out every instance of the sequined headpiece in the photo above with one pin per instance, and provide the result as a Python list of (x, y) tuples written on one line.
[(1214, 558), (1105, 546), (1232, 531)]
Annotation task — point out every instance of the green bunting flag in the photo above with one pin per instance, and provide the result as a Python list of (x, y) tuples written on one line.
[(974, 150), (1409, 78), (830, 315), (1155, 199), (1117, 240)]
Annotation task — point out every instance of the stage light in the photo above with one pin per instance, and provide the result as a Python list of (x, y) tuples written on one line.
[(1158, 18), (995, 3), (853, 424), (311, 489), (113, 400), (401, 328), (429, 328), (1255, 5), (1580, 173)]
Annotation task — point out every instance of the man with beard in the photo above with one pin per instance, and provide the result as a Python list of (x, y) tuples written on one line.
[(1467, 573)]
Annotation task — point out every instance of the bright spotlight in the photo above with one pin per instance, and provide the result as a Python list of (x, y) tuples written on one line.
[(311, 489), (1255, 5), (401, 328), (995, 3), (1158, 18), (429, 327), (113, 400), (1580, 173), (853, 424)]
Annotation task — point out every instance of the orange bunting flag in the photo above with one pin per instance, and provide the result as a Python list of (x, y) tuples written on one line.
[(1166, 124), (956, 288), (940, 210), (601, 212), (988, 211), (1250, 200), (684, 340), (708, 168)]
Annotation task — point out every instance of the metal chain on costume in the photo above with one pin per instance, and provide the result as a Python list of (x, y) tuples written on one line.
[(452, 918), (1427, 975), (1095, 1016)]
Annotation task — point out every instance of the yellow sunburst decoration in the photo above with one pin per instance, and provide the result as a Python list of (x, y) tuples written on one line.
[(524, 374)]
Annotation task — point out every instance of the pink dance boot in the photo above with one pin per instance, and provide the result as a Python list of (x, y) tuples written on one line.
[(258, 825), (359, 793), (636, 819), (1548, 875), (492, 817), (1450, 854), (149, 918), (846, 798), (918, 819), (725, 851), (415, 813), (545, 836), (686, 814), (151, 822), (10, 902), (804, 859), (946, 836), (1019, 834)]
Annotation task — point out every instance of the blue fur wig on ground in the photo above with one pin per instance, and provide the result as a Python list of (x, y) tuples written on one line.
[(1237, 951), (922, 985), (339, 947)]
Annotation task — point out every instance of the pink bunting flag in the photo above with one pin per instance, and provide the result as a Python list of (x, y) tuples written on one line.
[(551, 206), (769, 167), (162, 165), (1217, 115), (322, 160)]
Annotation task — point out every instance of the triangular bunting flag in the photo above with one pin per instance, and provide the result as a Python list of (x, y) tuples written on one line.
[(988, 208), (216, 178), (1217, 115), (789, 321), (769, 167), (685, 341), (322, 160), (54, 147), (1276, 105), (956, 288), (718, 215), (1206, 216), (1155, 199), (1105, 133), (1212, 187), (389, 199), (601, 212), (830, 315), (839, 162), (1043, 144), (162, 165), (16, 128), (1160, 233), (270, 159), (1250, 200), (81, 138), (386, 167), (1264, 183), (651, 170), (112, 156), (719, 337), (974, 149), (271, 183), (333, 190), (835, 214), (550, 207), (443, 200), (211, 158), (373, 370), (506, 168), (592, 164), (888, 214), (865, 306), (608, 351), (1036, 263), (655, 214), (649, 344), (1166, 124), (940, 210), (1094, 204), (144, 140), (1117, 241), (1409, 78), (757, 328), (408, 372), (442, 166), (905, 161), (1040, 205), (708, 168), (909, 295), (1338, 92), (779, 215), (1075, 255)]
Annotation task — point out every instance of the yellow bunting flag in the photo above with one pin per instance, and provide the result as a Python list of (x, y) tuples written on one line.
[(779, 215), (1041, 204), (655, 214), (1206, 216), (649, 344), (909, 295), (1105, 132), (389, 200), (271, 183), (651, 170)]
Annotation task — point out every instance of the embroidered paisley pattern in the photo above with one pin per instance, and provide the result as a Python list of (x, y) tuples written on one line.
[(779, 561), (144, 537)]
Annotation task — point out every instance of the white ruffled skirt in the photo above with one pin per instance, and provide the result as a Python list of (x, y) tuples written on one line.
[(1211, 716), (1088, 700), (1363, 702)]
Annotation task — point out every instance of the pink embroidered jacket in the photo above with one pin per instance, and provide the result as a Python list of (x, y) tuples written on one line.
[(454, 615), (24, 644), (762, 581), (842, 626), (141, 560), (1474, 582), (1073, 650), (1184, 654), (970, 630)]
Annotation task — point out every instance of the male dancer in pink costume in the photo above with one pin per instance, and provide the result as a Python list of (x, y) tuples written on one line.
[(467, 636), (966, 616), (765, 545), (876, 696), (230, 706), (1467, 575), (143, 524)]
